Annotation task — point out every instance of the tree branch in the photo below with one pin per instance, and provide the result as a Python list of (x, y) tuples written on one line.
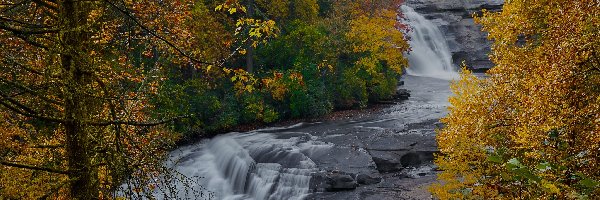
[(23, 23), (24, 111), (46, 4), (169, 43), (14, 5), (31, 91), (27, 32), (31, 167), (47, 146), (17, 103), (52, 191), (136, 123)]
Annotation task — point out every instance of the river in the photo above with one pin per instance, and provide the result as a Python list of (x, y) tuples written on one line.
[(385, 155)]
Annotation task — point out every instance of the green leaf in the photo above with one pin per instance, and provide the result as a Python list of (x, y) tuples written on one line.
[(513, 163), (589, 183), (543, 166), (495, 158)]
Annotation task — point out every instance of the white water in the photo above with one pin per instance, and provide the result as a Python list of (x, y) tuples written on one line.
[(255, 165), (262, 165), (430, 56)]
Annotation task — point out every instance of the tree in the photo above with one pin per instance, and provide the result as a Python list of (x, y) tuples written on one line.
[(530, 130), (75, 79)]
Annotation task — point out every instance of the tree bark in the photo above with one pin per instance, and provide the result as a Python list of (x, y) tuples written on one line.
[(83, 180)]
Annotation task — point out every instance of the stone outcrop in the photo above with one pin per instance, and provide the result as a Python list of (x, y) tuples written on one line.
[(366, 179), (454, 18), (332, 181)]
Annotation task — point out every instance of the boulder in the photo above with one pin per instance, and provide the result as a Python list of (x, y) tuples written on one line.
[(386, 161), (337, 181), (402, 94), (332, 181), (410, 159), (366, 179), (318, 182)]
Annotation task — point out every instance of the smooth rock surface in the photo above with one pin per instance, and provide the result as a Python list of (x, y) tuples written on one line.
[(366, 179)]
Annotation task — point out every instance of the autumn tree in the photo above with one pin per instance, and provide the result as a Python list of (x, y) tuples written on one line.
[(531, 129), (75, 82)]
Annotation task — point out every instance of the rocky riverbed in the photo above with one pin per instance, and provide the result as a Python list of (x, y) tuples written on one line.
[(385, 154)]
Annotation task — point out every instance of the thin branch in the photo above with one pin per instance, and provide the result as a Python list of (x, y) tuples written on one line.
[(23, 23), (31, 91), (53, 191), (136, 123), (10, 61), (32, 42), (48, 146), (169, 43), (27, 113), (24, 166), (17, 103), (26, 32), (14, 5), (46, 4)]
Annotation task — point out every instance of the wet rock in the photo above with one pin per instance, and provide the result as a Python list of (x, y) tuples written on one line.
[(386, 161), (337, 181), (332, 181), (365, 179), (410, 159), (344, 159), (318, 182), (402, 94)]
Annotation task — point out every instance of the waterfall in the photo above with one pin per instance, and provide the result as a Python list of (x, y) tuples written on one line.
[(255, 165), (430, 55)]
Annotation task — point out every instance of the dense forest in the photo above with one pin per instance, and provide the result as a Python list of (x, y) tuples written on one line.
[(94, 93)]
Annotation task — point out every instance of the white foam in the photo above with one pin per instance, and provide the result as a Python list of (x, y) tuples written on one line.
[(430, 55)]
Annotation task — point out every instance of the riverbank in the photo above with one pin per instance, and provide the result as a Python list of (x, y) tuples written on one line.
[(382, 152), (343, 114)]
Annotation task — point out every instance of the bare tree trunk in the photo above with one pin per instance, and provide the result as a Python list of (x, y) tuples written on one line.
[(83, 180), (250, 48)]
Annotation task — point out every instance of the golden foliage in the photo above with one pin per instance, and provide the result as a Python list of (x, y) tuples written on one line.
[(531, 130), (378, 36)]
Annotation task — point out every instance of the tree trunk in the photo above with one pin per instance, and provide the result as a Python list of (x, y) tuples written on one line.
[(83, 177), (250, 48)]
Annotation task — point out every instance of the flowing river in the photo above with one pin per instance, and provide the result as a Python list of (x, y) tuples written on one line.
[(386, 154)]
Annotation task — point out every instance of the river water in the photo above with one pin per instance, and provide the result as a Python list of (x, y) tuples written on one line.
[(394, 145)]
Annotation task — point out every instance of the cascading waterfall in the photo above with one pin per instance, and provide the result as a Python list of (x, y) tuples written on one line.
[(255, 165), (430, 55)]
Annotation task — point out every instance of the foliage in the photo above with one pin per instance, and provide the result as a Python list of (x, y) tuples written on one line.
[(75, 81), (94, 93), (530, 130)]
